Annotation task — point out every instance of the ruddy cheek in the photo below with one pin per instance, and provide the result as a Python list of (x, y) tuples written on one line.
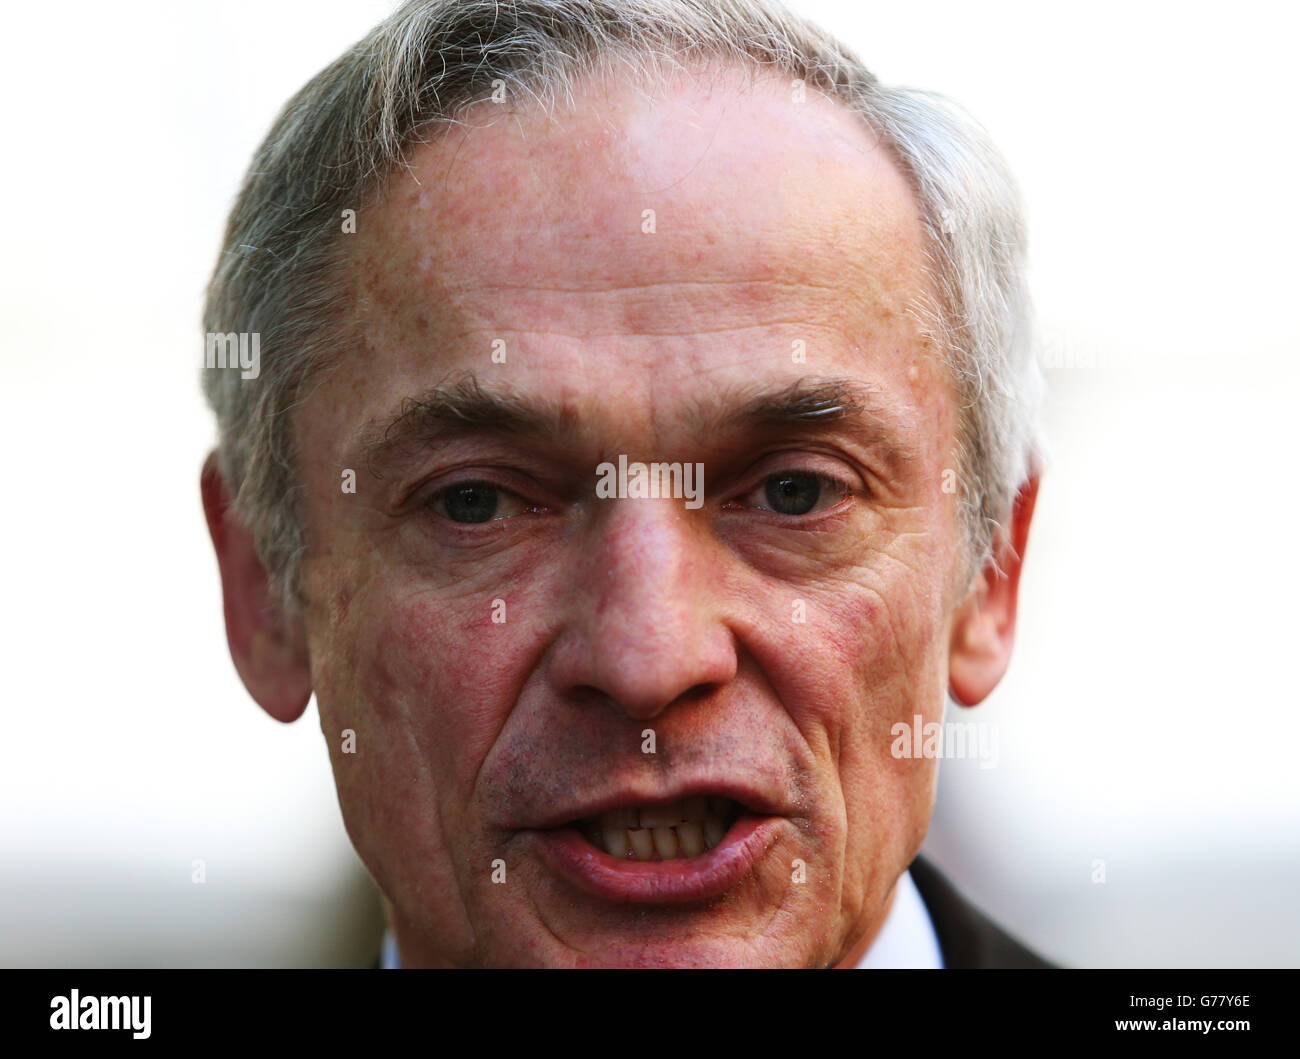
[(447, 671), (463, 640), (856, 629)]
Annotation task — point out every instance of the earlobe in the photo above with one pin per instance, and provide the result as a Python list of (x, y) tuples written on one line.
[(269, 651), (984, 626)]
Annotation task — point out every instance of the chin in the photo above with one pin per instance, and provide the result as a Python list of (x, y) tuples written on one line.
[(681, 949)]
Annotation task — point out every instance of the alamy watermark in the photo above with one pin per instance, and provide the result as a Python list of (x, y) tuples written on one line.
[(77, 1012), (651, 481), (948, 740), (234, 349)]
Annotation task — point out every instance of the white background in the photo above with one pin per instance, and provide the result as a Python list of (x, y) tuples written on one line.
[(1150, 719)]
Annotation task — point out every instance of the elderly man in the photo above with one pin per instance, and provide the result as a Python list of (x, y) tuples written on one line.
[(640, 430)]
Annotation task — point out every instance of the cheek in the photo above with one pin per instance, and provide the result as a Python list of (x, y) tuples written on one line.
[(885, 663), (432, 679), (878, 646), (422, 681)]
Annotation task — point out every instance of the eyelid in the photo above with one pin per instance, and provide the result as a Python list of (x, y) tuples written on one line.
[(458, 477), (805, 461)]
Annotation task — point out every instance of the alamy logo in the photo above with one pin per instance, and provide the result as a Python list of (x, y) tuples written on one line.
[(949, 740), (651, 481), (234, 349), (76, 1012)]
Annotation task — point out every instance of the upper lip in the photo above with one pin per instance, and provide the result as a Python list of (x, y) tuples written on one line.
[(749, 796)]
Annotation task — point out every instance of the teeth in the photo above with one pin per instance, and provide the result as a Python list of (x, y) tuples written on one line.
[(616, 844), (690, 839), (696, 808), (665, 842), (684, 829), (662, 815), (643, 843), (620, 818)]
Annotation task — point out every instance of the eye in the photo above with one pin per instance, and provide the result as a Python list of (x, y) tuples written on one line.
[(469, 502), (797, 493)]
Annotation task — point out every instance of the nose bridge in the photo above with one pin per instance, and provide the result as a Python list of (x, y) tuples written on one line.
[(646, 628), (645, 570)]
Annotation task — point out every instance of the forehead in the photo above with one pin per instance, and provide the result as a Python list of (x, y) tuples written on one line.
[(665, 232), (745, 183)]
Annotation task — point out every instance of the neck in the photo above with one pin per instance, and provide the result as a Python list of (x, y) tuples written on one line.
[(855, 954)]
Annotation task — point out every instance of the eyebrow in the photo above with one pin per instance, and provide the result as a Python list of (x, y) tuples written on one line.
[(808, 400), (467, 407), (816, 403)]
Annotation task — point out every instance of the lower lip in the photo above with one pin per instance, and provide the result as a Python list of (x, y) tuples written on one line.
[(711, 874)]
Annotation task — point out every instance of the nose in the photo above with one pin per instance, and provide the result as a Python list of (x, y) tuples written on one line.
[(646, 627)]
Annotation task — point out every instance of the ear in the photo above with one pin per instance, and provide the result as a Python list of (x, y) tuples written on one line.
[(984, 625), (270, 653)]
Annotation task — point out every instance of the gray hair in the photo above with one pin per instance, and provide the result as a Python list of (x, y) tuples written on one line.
[(420, 70)]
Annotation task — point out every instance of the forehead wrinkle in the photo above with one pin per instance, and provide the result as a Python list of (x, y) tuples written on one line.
[(865, 256)]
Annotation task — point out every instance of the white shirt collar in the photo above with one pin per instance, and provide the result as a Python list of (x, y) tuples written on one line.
[(388, 960), (907, 939)]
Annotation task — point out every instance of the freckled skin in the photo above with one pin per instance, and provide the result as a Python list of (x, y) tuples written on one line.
[(775, 221)]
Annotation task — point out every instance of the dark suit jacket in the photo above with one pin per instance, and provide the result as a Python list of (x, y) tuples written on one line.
[(967, 937)]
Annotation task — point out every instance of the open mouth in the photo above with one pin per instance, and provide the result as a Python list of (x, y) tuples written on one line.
[(675, 831), (693, 849)]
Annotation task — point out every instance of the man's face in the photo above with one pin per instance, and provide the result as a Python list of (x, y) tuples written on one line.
[(538, 676)]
